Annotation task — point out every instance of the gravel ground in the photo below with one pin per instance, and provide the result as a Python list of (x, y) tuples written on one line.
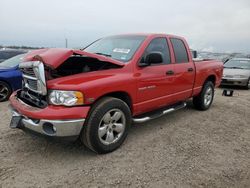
[(187, 148)]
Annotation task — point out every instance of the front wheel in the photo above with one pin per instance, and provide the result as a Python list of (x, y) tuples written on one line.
[(107, 125), (204, 100)]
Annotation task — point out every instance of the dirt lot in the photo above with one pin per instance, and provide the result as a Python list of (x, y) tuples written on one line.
[(187, 148)]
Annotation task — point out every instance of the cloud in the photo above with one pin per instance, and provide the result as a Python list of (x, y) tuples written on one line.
[(223, 24)]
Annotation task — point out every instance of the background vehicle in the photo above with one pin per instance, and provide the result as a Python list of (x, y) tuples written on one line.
[(95, 94), (10, 76), (9, 53), (237, 72)]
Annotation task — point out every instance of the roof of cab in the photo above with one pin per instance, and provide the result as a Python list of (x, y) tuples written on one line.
[(147, 35)]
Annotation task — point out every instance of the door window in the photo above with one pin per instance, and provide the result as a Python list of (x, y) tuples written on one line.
[(159, 45)]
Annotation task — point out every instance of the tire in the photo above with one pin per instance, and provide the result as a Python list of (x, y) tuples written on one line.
[(205, 99), (5, 91), (248, 84), (101, 132)]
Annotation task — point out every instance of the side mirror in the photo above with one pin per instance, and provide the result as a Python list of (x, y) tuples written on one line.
[(153, 58), (194, 54)]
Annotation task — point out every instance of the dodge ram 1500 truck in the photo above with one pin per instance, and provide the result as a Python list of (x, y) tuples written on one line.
[(96, 93)]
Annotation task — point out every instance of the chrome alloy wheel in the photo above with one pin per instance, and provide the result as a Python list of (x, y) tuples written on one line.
[(112, 126), (208, 96), (4, 92)]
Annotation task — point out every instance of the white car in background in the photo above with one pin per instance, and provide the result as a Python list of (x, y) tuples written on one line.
[(236, 72)]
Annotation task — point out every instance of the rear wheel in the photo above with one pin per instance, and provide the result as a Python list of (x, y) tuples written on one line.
[(204, 100), (107, 125), (5, 91)]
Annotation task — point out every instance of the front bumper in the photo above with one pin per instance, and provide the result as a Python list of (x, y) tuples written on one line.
[(51, 121), (234, 81), (55, 128)]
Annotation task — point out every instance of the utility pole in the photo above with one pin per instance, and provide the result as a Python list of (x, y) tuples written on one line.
[(66, 42)]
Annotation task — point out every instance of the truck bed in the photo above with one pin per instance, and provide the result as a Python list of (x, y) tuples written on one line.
[(204, 68)]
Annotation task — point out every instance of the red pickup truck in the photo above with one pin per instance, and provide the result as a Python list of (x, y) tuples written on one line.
[(96, 93)]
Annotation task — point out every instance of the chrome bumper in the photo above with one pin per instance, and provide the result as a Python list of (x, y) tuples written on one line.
[(54, 128)]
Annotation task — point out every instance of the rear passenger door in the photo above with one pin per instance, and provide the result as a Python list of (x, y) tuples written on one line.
[(183, 68)]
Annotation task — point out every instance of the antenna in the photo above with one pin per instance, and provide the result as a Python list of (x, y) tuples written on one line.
[(66, 42)]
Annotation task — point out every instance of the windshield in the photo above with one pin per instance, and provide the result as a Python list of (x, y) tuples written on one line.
[(12, 62), (235, 63), (117, 47)]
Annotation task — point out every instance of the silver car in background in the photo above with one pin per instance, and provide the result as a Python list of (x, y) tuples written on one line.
[(236, 72)]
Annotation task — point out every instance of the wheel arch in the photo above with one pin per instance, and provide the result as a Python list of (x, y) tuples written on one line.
[(122, 95), (211, 78)]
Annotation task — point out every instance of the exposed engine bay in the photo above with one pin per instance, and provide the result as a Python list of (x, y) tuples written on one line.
[(79, 64)]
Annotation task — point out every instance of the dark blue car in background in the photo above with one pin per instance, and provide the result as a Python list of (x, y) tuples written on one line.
[(10, 76)]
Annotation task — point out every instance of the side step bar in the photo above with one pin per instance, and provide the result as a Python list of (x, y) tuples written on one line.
[(142, 119)]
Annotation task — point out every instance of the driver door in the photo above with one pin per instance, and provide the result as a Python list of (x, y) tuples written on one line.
[(155, 82)]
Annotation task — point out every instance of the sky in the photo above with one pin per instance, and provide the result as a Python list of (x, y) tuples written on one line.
[(208, 25)]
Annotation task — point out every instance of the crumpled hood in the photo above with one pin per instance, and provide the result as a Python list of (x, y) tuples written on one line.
[(232, 72), (54, 57)]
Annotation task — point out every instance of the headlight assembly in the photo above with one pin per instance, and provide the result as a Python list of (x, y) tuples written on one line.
[(66, 98)]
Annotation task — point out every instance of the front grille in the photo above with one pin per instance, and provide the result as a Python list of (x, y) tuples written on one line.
[(32, 84), (30, 79), (34, 76), (224, 81), (28, 71), (228, 76), (34, 89)]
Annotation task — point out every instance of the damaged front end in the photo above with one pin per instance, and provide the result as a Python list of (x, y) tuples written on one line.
[(38, 108), (55, 63)]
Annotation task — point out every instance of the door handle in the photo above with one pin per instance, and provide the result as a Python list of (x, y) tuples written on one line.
[(169, 72), (190, 69)]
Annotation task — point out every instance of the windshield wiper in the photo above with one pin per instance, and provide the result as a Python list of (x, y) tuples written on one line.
[(234, 67), (107, 55)]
